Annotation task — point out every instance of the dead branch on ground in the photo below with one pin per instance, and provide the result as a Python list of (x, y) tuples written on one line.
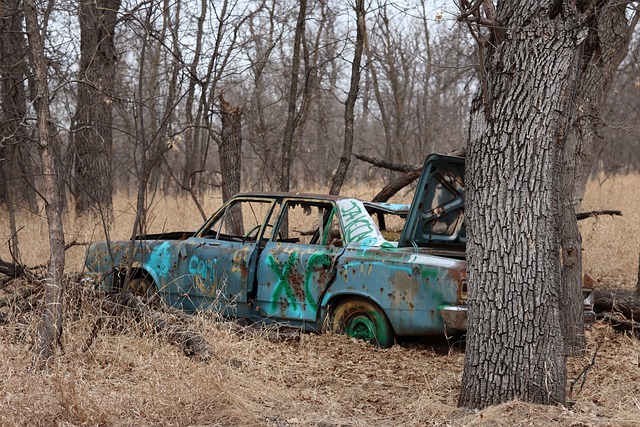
[(167, 323), (27, 294), (610, 301)]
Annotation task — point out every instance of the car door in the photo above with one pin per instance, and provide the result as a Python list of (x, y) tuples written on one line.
[(219, 263), (298, 263), (436, 215)]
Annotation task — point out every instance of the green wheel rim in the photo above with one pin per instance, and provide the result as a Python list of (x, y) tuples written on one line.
[(362, 320), (362, 327)]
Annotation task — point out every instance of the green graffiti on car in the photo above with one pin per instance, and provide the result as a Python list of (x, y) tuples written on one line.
[(357, 223), (283, 280), (315, 260)]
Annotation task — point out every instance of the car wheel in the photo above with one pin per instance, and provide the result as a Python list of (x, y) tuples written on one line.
[(363, 320), (144, 288)]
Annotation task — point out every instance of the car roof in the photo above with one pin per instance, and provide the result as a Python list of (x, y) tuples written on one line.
[(293, 195)]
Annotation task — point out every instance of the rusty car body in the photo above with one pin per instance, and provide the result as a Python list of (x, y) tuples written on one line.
[(318, 262)]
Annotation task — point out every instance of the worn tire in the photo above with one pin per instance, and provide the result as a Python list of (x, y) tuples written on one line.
[(363, 320), (144, 288)]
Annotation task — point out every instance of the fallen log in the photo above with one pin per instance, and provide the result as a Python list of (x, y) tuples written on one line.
[(386, 164), (392, 188), (623, 302), (11, 269), (620, 325)]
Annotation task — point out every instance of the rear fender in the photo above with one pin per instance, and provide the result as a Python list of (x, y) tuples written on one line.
[(137, 271)]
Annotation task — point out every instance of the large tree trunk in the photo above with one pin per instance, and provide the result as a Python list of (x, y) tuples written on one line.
[(519, 121), (92, 130), (50, 329)]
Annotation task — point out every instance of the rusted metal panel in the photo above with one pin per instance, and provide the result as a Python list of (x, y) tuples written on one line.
[(409, 287)]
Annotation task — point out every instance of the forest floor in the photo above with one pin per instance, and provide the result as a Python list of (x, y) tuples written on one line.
[(119, 372)]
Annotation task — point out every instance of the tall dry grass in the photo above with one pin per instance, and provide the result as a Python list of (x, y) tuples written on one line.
[(130, 375)]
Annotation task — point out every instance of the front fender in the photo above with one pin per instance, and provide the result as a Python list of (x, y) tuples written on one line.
[(408, 287)]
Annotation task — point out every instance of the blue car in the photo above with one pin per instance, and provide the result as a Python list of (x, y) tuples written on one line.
[(319, 262)]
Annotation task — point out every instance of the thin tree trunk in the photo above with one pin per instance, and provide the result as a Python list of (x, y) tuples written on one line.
[(609, 44), (292, 116), (638, 283), (50, 330), (384, 116), (354, 87), (230, 151), (193, 130), (16, 167)]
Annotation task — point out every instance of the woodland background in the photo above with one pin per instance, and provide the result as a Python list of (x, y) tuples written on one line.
[(156, 83), (156, 90)]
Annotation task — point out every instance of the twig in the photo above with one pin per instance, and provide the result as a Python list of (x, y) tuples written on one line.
[(75, 243), (584, 372), (591, 214)]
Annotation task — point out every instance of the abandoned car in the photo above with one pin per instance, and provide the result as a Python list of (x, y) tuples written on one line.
[(317, 262), (313, 261)]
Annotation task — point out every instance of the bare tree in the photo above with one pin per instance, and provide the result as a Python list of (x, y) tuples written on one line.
[(264, 33), (193, 150), (50, 330), (292, 113), (352, 96), (13, 114)]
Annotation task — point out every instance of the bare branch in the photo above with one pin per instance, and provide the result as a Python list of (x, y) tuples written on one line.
[(399, 167), (591, 214)]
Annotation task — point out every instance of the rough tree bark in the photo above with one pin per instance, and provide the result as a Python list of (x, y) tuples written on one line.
[(16, 170), (352, 96), (230, 152), (92, 129), (50, 330), (606, 45), (520, 118)]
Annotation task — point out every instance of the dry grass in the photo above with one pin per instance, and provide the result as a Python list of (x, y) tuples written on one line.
[(612, 244), (130, 376)]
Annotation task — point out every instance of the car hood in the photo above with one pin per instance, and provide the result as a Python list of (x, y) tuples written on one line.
[(436, 215)]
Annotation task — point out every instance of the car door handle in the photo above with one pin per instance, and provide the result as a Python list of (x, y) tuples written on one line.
[(213, 243)]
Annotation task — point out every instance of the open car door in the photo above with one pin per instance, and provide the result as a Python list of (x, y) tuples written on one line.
[(436, 215)]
